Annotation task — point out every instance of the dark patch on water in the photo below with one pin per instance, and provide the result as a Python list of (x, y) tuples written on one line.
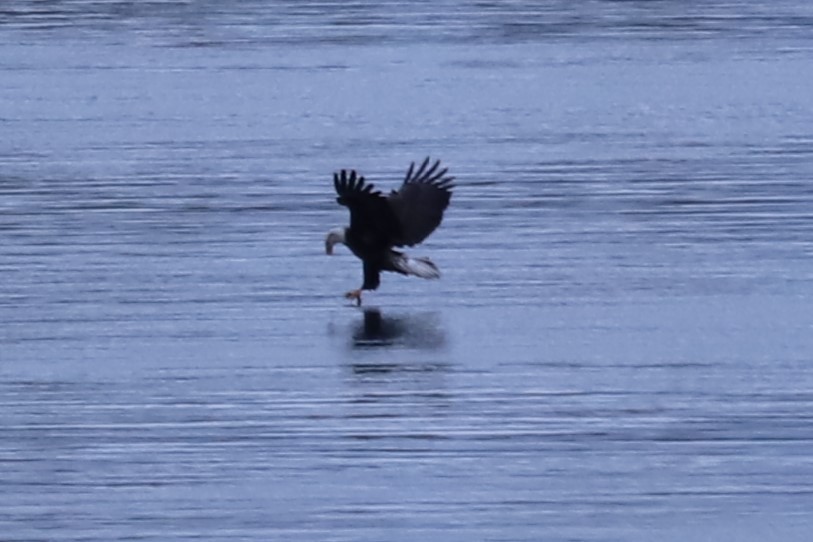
[(421, 331)]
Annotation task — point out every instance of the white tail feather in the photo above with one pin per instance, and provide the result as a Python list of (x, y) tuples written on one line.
[(419, 267)]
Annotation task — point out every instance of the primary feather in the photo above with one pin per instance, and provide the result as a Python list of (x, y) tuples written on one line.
[(420, 202), (369, 210)]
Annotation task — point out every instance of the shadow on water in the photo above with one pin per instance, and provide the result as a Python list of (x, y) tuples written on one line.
[(381, 341), (418, 331)]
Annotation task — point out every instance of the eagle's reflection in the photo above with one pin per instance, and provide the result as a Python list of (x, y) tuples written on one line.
[(418, 331)]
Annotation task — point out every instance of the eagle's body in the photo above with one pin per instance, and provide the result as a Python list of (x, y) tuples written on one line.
[(379, 223)]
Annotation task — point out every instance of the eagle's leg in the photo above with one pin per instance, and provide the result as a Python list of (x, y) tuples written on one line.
[(354, 294)]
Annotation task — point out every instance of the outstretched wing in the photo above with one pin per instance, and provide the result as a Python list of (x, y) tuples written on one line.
[(420, 202), (371, 217)]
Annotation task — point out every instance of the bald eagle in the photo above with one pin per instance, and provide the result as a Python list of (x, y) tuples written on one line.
[(378, 223)]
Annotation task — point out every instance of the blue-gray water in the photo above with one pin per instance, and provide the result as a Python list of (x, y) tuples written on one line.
[(619, 349)]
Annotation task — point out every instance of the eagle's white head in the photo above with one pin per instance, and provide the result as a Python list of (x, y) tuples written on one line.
[(336, 235)]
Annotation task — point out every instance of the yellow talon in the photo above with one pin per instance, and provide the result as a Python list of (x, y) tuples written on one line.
[(354, 294)]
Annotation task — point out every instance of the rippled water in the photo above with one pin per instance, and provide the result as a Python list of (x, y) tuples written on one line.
[(619, 348)]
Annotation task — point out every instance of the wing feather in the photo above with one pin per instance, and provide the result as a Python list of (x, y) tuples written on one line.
[(370, 215), (420, 202)]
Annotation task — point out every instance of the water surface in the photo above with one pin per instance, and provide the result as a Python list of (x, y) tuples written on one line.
[(619, 347)]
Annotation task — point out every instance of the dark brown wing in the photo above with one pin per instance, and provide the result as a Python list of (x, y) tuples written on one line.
[(420, 202), (371, 217)]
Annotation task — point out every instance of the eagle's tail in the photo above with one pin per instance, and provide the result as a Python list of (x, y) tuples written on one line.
[(420, 267)]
